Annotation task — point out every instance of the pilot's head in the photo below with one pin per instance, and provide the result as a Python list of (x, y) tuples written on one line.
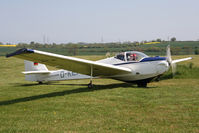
[(133, 56)]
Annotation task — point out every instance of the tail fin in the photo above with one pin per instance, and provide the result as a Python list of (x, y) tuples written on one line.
[(34, 66)]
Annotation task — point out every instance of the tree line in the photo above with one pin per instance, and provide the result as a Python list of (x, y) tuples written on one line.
[(177, 47)]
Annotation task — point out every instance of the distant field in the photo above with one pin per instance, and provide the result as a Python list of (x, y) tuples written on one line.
[(6, 50), (195, 59), (177, 48), (170, 105)]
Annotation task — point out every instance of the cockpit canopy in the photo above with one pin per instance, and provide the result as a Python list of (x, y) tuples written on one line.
[(131, 56)]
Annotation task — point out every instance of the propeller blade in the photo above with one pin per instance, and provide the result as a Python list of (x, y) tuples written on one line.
[(173, 68), (169, 54), (169, 60)]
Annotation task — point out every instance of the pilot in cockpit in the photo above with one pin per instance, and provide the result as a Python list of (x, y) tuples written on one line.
[(133, 57)]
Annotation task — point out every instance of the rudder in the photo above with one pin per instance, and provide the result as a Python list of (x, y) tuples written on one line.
[(34, 66)]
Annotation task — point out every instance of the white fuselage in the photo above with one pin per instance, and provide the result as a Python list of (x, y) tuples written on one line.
[(140, 70), (129, 66), (55, 76)]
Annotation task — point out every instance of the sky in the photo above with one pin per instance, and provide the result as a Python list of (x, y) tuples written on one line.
[(64, 21)]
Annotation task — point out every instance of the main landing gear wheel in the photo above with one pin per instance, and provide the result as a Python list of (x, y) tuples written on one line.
[(40, 82), (142, 84), (90, 85)]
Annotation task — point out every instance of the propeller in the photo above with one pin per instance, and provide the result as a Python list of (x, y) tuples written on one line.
[(169, 60)]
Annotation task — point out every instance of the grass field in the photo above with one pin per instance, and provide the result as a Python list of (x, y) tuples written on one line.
[(170, 105)]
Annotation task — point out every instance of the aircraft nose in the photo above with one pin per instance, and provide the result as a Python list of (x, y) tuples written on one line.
[(162, 67), (164, 63)]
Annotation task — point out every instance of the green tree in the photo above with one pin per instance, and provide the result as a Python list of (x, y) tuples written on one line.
[(158, 40), (173, 39), (32, 43), (196, 51)]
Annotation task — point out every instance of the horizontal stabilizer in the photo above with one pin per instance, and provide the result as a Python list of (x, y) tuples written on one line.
[(36, 72), (179, 60)]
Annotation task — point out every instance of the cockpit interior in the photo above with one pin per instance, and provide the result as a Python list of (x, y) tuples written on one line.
[(133, 56)]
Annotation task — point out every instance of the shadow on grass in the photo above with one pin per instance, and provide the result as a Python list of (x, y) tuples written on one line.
[(34, 84), (65, 92)]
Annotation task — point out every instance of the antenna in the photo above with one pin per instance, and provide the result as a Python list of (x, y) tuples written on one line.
[(102, 39), (169, 41), (44, 39), (47, 40)]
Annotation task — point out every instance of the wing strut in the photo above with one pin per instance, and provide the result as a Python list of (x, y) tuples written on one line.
[(90, 85)]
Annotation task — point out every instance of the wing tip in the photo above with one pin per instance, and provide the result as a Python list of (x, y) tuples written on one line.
[(20, 51)]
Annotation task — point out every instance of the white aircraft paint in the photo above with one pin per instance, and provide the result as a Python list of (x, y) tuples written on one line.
[(130, 66), (40, 73)]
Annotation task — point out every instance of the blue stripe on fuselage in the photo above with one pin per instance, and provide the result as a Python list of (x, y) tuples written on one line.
[(147, 59), (157, 58)]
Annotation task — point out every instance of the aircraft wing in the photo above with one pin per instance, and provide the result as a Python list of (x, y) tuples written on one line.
[(77, 65), (179, 60)]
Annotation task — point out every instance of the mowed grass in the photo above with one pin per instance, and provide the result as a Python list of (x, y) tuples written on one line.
[(111, 106)]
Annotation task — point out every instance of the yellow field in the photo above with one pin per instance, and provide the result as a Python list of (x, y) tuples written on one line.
[(8, 45)]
